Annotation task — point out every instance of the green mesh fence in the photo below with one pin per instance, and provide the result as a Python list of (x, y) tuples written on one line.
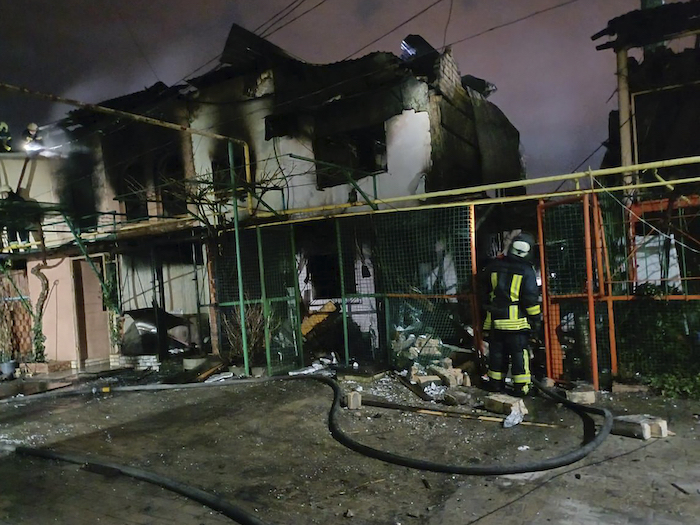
[(371, 288), (565, 249)]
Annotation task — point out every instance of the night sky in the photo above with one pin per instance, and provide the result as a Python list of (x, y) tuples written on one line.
[(552, 83)]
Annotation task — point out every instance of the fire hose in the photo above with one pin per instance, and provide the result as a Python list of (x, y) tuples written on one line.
[(591, 440)]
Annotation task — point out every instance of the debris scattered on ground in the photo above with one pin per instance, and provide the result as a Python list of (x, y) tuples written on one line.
[(219, 377), (504, 404), (436, 392), (523, 448), (514, 418), (315, 367)]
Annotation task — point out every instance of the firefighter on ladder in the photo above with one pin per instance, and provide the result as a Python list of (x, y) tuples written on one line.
[(512, 312)]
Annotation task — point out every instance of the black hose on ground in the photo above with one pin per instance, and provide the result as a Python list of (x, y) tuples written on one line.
[(205, 498), (591, 441)]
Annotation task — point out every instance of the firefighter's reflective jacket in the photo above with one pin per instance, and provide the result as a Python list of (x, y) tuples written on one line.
[(512, 298)]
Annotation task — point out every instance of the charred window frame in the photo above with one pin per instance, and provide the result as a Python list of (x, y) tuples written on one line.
[(171, 180), (221, 173), (361, 151), (133, 193)]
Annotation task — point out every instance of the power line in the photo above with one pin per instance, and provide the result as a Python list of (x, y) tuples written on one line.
[(135, 40), (269, 34), (395, 28), (506, 24), (279, 15), (447, 24)]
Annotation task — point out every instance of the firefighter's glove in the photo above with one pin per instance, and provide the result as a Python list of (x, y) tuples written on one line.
[(535, 325)]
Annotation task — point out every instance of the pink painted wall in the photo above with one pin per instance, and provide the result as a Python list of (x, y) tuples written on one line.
[(59, 314)]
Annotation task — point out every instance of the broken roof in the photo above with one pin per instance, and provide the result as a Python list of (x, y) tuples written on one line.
[(649, 26), (244, 50)]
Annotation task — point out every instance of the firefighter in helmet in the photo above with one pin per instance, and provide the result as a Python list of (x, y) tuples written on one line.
[(512, 311), (5, 138), (32, 137)]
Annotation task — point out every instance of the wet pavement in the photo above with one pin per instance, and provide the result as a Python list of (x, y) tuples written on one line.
[(267, 448)]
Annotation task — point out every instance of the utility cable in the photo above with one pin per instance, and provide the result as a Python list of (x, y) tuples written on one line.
[(419, 13), (278, 16), (506, 24), (645, 222), (269, 34), (135, 40), (447, 25)]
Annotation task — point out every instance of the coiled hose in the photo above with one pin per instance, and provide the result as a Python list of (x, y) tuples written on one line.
[(591, 440)]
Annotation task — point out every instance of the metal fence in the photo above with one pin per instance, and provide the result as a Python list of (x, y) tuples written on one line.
[(368, 288), (620, 287)]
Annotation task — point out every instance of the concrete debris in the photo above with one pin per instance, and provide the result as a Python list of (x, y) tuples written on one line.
[(640, 426), (620, 388), (258, 371), (457, 397), (424, 381), (451, 377), (583, 394), (504, 404), (353, 400), (466, 379), (437, 392), (349, 514), (548, 382), (190, 363), (523, 448)]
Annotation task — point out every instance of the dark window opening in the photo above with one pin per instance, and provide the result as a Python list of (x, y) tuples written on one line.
[(133, 194), (171, 187), (358, 153), (221, 174), (324, 271)]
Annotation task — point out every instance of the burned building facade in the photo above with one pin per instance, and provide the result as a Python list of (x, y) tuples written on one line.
[(157, 181)]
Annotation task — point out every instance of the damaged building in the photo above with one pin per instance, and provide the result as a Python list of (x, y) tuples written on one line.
[(244, 172)]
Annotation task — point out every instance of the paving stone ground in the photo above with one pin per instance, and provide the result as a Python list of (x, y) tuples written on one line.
[(267, 448)]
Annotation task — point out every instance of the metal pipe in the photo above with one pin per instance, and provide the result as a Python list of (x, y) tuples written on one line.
[(545, 296), (239, 270), (505, 185), (342, 293), (608, 282), (263, 295), (297, 295), (481, 202), (589, 291), (476, 307)]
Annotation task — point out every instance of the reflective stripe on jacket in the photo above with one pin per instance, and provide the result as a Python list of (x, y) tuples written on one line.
[(512, 298)]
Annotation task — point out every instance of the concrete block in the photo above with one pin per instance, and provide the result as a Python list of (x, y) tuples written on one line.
[(447, 376), (640, 426), (504, 404), (424, 381), (457, 397), (548, 382), (353, 400), (582, 397)]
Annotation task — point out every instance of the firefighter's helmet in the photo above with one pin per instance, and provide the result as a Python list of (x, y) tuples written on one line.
[(32, 127), (4, 126), (522, 247)]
